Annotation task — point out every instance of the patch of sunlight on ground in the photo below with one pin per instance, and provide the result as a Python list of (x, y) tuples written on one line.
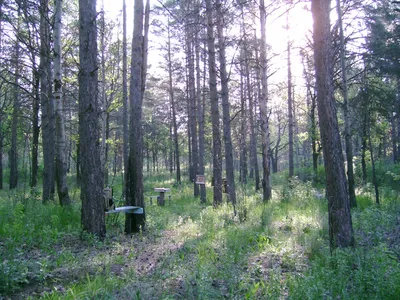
[(186, 228)]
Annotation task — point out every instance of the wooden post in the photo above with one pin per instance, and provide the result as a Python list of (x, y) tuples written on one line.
[(161, 199)]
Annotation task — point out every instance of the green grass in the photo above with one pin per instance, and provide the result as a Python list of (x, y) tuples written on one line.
[(268, 250)]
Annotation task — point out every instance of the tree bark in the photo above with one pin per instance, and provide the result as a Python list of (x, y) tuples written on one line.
[(398, 117), (364, 150), (1, 154), (125, 104), (1, 111), (200, 117), (35, 107), (134, 187), (255, 116), (314, 136), (35, 126), (170, 145), (46, 98), (394, 137), (173, 109), (104, 104), (78, 163), (92, 177), (225, 107), (13, 156), (290, 105), (346, 112), (13, 180), (266, 183), (145, 43), (192, 105), (253, 146), (61, 164), (312, 105), (243, 128), (217, 160), (275, 150), (374, 179), (340, 224)]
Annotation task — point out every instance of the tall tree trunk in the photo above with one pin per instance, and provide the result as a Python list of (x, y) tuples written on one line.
[(253, 146), (1, 114), (14, 123), (217, 159), (125, 108), (398, 117), (255, 116), (394, 137), (134, 188), (173, 109), (290, 104), (46, 98), (1, 154), (92, 177), (35, 126), (189, 137), (170, 145), (71, 142), (61, 164), (78, 163), (314, 136), (13, 157), (340, 224), (192, 106), (266, 183), (364, 149), (312, 105), (145, 43), (276, 149), (103, 98), (371, 150), (254, 172), (243, 128), (200, 117), (225, 107), (107, 150), (346, 113), (243, 72), (148, 159), (35, 109)]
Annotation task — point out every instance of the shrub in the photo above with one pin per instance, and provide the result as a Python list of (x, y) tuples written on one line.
[(364, 201), (349, 274)]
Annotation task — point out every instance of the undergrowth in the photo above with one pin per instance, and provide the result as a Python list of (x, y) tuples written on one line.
[(268, 250)]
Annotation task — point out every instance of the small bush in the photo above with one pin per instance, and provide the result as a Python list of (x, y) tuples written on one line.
[(349, 274), (13, 273), (364, 201)]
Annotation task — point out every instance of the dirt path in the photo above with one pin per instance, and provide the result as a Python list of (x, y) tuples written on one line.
[(141, 254)]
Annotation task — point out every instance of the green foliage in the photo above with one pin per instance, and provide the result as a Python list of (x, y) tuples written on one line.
[(23, 223), (390, 175), (349, 274), (369, 271), (387, 174), (27, 224), (364, 201), (12, 274), (278, 250), (308, 174), (97, 287)]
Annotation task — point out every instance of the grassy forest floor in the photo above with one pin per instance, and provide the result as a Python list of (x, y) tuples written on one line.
[(277, 250)]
